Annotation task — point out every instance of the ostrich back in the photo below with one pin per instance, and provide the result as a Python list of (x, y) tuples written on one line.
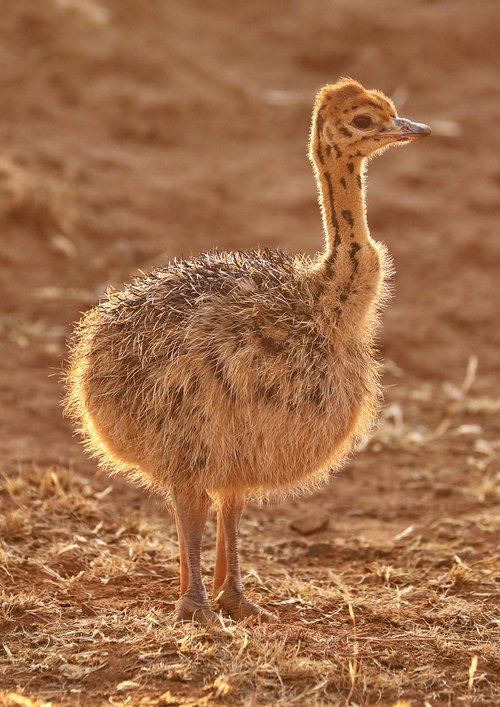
[(220, 373)]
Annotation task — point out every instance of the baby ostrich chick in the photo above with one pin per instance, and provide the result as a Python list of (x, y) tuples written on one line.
[(232, 375)]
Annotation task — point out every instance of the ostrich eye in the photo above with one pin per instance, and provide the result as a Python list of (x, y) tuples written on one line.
[(363, 122)]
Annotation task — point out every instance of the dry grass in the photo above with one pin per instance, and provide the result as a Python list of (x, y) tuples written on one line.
[(87, 589)]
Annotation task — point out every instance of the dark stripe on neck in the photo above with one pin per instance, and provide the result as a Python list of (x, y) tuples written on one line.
[(353, 250), (333, 217), (320, 121), (347, 215), (346, 293)]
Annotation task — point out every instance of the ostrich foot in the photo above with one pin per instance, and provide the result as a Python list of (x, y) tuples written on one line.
[(239, 607), (186, 609)]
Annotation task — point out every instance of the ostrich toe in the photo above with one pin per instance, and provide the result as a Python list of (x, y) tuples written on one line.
[(188, 610), (239, 607)]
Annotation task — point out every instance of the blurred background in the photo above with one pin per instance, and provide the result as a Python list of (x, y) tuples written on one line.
[(132, 132)]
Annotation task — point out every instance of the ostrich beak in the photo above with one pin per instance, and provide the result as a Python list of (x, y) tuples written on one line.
[(403, 129)]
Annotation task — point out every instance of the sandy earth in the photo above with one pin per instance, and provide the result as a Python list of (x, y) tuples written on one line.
[(134, 132)]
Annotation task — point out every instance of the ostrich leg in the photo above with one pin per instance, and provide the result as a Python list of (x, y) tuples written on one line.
[(220, 558), (228, 588), (191, 515), (184, 572)]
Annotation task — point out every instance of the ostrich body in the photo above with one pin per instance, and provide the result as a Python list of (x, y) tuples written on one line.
[(245, 374)]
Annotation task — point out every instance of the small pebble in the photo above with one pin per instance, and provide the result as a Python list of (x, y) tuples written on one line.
[(310, 523), (321, 549)]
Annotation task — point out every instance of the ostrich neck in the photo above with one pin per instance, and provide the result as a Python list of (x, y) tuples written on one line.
[(342, 202), (350, 273)]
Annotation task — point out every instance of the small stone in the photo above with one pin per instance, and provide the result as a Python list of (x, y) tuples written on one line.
[(310, 523), (322, 549), (443, 490)]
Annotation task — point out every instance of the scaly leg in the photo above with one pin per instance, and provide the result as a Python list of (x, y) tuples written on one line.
[(191, 515), (184, 573), (220, 558), (228, 588)]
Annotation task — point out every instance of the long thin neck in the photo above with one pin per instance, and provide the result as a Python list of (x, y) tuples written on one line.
[(349, 275), (342, 202)]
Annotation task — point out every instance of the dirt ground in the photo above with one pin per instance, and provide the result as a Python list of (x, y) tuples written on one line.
[(134, 132)]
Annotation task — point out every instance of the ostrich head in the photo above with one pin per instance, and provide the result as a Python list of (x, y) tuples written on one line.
[(349, 118)]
